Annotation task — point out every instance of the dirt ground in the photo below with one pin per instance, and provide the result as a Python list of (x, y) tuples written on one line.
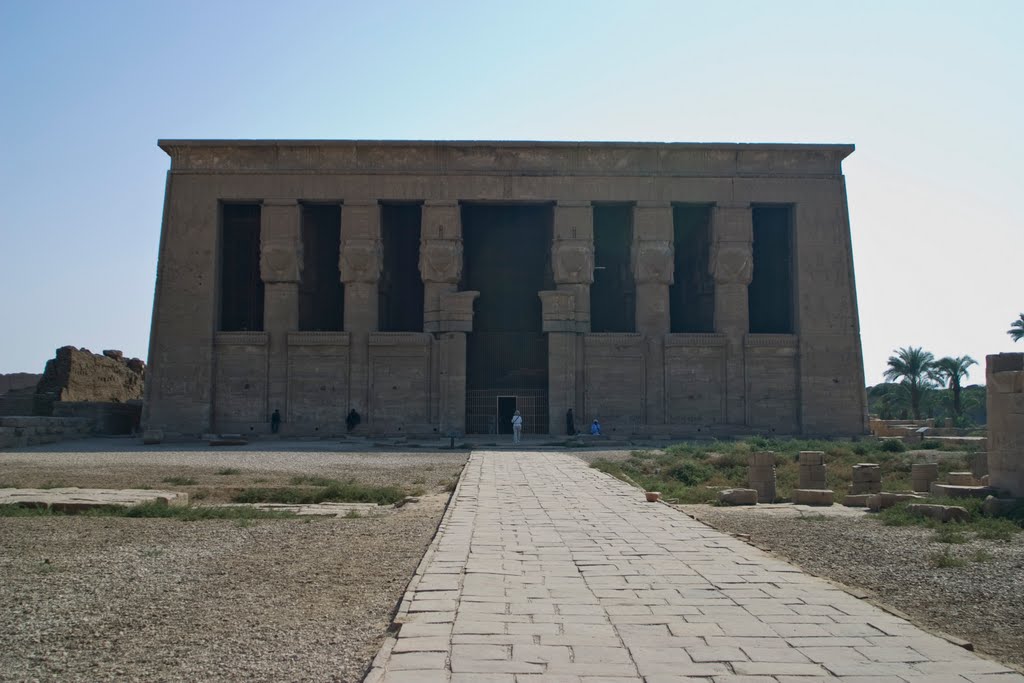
[(109, 598)]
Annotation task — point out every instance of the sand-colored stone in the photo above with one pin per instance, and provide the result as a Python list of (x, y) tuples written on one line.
[(1004, 375), (737, 497), (723, 380), (942, 513), (812, 496), (77, 499)]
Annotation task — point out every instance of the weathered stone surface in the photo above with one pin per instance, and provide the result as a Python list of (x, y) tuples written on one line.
[(881, 501), (961, 479), (719, 381), (942, 513), (17, 380), (812, 496), (951, 491), (79, 375), (737, 497), (761, 475), (18, 431), (1004, 375), (922, 475), (856, 501), (75, 499)]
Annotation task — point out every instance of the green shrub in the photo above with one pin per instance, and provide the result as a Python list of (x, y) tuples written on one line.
[(893, 446), (690, 473)]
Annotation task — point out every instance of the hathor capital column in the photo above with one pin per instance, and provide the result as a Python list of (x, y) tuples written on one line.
[(360, 264), (566, 311), (732, 266), (447, 312), (440, 257), (281, 270), (653, 261)]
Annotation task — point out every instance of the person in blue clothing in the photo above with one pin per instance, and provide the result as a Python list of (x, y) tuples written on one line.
[(595, 428)]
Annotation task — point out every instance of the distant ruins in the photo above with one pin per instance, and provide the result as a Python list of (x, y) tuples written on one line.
[(106, 390), (436, 287)]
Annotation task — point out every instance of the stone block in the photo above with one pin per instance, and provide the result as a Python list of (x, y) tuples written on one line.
[(765, 490), (151, 437), (951, 491), (979, 464), (737, 497), (960, 479), (856, 501), (862, 487), (942, 513), (888, 499), (997, 507), (812, 496), (812, 458), (761, 459)]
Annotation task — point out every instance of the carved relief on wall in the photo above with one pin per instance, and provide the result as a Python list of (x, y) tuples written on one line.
[(281, 261), (441, 260), (732, 263), (653, 262), (360, 260), (573, 262)]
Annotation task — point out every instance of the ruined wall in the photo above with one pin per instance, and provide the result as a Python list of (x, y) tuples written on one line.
[(1004, 379), (18, 380), (79, 375)]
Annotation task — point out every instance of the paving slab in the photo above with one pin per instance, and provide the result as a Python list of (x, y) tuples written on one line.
[(546, 570)]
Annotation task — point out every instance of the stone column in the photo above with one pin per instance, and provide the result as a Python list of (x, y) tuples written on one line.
[(572, 256), (359, 263), (732, 266), (1004, 383), (653, 263), (572, 262), (440, 257), (558, 321), (280, 270), (456, 321)]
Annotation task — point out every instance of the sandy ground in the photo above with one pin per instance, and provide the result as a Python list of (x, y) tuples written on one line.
[(104, 598)]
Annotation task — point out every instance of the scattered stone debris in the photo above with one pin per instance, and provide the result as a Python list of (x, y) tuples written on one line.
[(737, 497), (942, 513), (76, 500)]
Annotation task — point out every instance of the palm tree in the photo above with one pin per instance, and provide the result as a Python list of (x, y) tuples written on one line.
[(952, 371), (1016, 330), (914, 365)]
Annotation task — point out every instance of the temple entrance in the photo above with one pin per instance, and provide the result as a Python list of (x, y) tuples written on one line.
[(507, 258)]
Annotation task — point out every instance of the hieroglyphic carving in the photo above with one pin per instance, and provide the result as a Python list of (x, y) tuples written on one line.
[(441, 260), (653, 262), (360, 260), (573, 262)]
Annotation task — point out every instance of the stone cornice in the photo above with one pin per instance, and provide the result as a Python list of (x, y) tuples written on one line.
[(373, 157)]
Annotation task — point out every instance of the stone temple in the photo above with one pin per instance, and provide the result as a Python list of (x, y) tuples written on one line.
[(435, 287)]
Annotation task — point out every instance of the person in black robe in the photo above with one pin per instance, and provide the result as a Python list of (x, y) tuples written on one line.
[(570, 423)]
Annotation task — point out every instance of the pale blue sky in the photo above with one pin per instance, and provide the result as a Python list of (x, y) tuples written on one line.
[(930, 92)]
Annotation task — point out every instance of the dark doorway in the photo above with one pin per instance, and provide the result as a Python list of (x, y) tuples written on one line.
[(507, 259), (401, 287), (613, 294), (770, 294), (321, 293), (506, 408), (692, 294), (241, 286)]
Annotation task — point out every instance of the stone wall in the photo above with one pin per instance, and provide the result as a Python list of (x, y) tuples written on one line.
[(17, 432), (17, 380), (1004, 375), (79, 375), (809, 382)]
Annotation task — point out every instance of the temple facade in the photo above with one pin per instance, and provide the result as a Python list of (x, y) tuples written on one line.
[(436, 287)]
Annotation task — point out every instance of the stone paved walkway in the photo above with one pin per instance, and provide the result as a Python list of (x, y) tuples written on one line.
[(547, 571)]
